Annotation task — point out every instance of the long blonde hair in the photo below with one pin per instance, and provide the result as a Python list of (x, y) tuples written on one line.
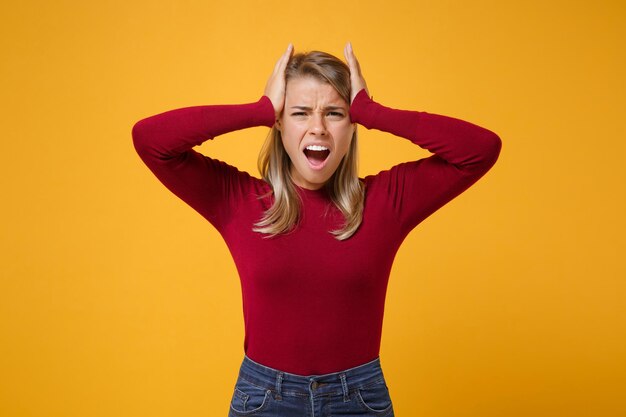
[(344, 188)]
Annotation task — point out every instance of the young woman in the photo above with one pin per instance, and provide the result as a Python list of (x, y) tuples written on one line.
[(313, 243)]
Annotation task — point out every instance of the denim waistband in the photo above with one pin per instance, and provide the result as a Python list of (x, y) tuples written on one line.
[(285, 383)]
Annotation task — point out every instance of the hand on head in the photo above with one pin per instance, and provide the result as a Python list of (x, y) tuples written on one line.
[(275, 87), (356, 77)]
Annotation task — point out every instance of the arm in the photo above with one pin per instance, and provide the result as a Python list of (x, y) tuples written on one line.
[(471, 149), (165, 141), (463, 153)]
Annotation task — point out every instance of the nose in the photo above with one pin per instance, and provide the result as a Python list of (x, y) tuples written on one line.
[(318, 125)]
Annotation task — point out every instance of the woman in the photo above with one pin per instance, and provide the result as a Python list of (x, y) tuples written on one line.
[(312, 242)]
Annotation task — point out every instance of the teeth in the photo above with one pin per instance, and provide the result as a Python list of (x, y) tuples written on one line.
[(316, 148)]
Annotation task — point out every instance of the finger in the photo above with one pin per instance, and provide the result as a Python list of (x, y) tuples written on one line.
[(282, 61), (356, 63), (286, 57), (277, 64), (348, 52)]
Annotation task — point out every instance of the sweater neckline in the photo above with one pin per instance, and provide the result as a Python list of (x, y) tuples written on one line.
[(320, 193)]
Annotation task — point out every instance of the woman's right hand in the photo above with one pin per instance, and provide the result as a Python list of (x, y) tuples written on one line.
[(275, 87)]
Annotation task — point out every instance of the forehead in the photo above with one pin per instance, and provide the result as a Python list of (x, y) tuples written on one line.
[(310, 91)]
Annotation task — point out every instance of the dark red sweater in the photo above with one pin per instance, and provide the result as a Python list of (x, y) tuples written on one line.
[(313, 304)]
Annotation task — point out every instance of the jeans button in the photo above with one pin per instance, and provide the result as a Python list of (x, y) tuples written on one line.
[(314, 385)]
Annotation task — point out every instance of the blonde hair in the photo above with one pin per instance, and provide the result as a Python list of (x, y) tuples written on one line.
[(344, 188)]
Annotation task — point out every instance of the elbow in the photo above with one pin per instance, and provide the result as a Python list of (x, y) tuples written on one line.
[(493, 149), (139, 136), (486, 154)]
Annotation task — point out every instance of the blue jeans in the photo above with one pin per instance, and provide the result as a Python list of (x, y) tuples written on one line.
[(262, 391)]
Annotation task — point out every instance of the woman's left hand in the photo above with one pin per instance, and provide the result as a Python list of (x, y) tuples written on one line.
[(357, 82)]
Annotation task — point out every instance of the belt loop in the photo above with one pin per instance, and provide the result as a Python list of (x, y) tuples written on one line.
[(344, 385), (279, 381)]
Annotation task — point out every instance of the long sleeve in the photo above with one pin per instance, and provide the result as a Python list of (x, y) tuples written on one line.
[(462, 153), (164, 142)]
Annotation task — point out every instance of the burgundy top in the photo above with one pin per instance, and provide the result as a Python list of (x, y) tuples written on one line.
[(314, 304)]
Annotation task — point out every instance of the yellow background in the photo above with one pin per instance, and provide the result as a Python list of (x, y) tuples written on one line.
[(117, 299)]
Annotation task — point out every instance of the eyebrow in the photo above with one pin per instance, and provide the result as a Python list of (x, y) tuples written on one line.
[(325, 108)]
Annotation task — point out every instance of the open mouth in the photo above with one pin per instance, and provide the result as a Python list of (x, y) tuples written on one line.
[(316, 155)]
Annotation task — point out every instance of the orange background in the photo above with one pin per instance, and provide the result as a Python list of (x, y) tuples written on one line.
[(117, 299)]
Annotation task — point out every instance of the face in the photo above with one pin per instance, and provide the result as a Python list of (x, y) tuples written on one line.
[(316, 130)]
